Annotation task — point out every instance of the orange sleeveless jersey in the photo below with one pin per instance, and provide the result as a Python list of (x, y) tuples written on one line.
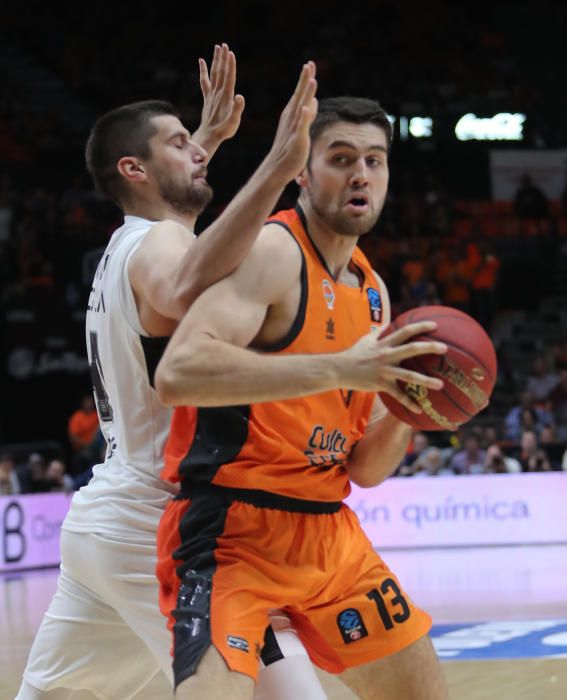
[(298, 447)]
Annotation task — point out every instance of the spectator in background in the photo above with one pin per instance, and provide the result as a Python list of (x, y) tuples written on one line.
[(496, 462), (490, 436), (558, 398), (419, 447), (484, 282), (525, 416), (541, 381), (9, 482), (554, 449), (414, 281), (531, 456), (31, 473), (431, 463), (557, 354), (57, 478), (82, 431), (469, 460), (529, 201), (453, 275)]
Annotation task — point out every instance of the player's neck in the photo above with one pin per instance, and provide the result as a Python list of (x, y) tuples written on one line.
[(160, 211), (335, 248)]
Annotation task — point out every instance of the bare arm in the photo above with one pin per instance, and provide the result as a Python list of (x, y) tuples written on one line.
[(381, 449), (170, 280), (206, 362)]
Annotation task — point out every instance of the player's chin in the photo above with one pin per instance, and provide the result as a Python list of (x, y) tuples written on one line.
[(358, 224)]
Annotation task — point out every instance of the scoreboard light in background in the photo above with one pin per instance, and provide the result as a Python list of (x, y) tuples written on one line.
[(503, 126), (416, 127)]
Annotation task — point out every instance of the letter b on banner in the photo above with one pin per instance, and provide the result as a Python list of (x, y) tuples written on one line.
[(13, 538)]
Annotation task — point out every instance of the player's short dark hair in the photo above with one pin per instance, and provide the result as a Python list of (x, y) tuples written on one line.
[(124, 131), (357, 110)]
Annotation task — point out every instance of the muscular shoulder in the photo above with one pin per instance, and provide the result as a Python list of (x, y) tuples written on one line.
[(167, 230), (160, 250), (274, 263)]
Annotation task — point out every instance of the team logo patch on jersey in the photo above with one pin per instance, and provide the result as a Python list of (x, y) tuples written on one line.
[(375, 303), (351, 626), (237, 643), (329, 294)]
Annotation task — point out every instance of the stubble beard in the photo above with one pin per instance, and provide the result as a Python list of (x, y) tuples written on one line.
[(185, 199), (344, 224)]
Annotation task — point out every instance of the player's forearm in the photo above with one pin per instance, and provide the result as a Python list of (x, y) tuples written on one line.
[(222, 247), (214, 373), (379, 452)]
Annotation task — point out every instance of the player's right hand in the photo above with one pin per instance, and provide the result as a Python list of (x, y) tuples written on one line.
[(373, 363), (290, 149)]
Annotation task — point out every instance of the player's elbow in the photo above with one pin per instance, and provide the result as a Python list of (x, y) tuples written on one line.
[(171, 382), (365, 481), (364, 476), (164, 381)]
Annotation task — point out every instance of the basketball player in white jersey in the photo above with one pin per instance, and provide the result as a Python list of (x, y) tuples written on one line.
[(103, 635)]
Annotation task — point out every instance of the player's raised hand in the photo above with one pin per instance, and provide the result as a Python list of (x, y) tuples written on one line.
[(290, 149), (373, 364), (222, 109)]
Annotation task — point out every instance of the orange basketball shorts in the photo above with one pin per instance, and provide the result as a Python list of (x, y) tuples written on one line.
[(225, 563)]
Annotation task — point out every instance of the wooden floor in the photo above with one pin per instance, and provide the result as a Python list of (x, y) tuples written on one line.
[(454, 585)]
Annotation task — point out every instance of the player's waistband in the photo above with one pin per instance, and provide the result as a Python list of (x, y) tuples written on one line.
[(258, 498)]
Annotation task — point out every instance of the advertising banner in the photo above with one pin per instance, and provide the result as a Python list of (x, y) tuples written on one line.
[(30, 527), (496, 509), (456, 511)]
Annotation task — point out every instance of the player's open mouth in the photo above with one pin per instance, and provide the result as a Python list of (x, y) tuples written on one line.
[(358, 204)]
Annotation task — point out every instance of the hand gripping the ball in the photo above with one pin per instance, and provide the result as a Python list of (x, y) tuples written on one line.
[(373, 363)]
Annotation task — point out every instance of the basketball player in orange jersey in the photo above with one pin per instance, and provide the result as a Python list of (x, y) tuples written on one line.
[(284, 359), (103, 635)]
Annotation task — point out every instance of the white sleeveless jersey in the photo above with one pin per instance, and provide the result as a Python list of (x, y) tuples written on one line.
[(125, 498)]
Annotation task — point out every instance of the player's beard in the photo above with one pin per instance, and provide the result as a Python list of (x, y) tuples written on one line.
[(184, 198), (343, 223)]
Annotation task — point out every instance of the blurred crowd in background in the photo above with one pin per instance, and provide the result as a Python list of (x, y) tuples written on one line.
[(442, 238)]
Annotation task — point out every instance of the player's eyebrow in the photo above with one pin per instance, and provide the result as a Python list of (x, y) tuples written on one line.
[(348, 144), (179, 134)]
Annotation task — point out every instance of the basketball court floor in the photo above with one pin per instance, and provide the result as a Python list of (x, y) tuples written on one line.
[(500, 618)]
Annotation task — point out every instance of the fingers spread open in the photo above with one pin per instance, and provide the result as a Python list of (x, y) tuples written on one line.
[(204, 77), (402, 334), (215, 66), (419, 347), (411, 377)]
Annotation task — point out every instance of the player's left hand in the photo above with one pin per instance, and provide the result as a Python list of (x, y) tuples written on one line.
[(222, 109)]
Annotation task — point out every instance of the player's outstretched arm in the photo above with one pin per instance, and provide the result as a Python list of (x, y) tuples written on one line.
[(222, 109), (171, 288)]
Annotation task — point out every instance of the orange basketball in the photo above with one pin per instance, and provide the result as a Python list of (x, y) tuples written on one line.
[(468, 369)]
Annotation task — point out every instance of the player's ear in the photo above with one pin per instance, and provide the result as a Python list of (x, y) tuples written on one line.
[(303, 178), (131, 168)]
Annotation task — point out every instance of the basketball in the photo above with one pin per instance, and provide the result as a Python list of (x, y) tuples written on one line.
[(468, 370)]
